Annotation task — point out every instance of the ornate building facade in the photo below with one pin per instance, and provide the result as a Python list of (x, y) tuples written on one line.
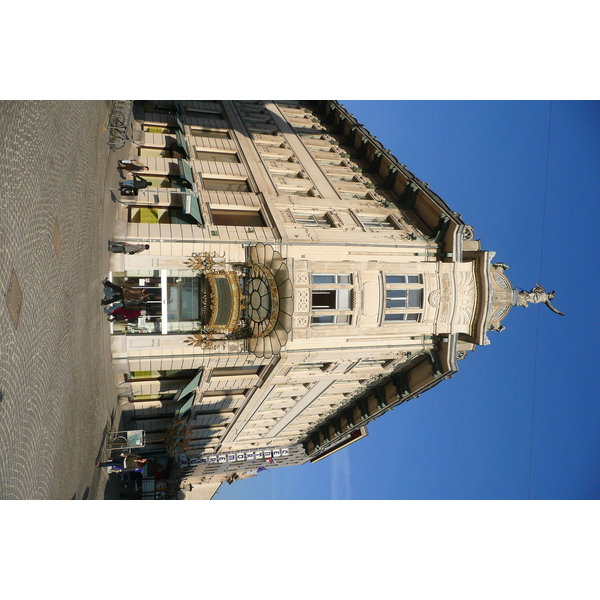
[(302, 282)]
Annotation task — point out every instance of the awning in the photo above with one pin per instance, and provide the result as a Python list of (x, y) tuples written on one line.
[(191, 207), (186, 407), (185, 171), (191, 386), (180, 123), (182, 143)]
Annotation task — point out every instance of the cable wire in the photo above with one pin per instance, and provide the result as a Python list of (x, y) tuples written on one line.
[(537, 327)]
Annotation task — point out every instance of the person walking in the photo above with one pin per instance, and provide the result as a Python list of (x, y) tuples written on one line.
[(128, 296), (118, 312), (138, 183), (132, 165), (124, 463), (126, 247)]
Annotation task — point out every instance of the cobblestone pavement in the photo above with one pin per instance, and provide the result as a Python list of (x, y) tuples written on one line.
[(54, 406)]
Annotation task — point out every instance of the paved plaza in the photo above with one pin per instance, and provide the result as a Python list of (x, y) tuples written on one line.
[(56, 394)]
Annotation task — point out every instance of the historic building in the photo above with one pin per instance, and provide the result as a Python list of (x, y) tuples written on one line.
[(301, 283)]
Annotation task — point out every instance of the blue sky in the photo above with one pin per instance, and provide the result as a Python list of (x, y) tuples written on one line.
[(520, 420)]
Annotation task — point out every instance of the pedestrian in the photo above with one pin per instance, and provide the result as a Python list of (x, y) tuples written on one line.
[(120, 313), (138, 183), (128, 296), (124, 463), (132, 165), (126, 247)]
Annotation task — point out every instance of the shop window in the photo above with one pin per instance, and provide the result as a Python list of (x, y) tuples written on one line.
[(160, 214), (238, 218), (159, 129), (161, 375)]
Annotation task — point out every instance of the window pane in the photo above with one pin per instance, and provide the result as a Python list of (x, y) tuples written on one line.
[(323, 299), (344, 299), (395, 278), (224, 135), (323, 319), (239, 218), (216, 156), (396, 294), (400, 303), (395, 317), (344, 279), (225, 185), (323, 278), (414, 298)]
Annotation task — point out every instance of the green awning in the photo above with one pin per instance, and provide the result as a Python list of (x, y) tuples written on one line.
[(191, 207), (180, 123), (177, 106), (185, 171), (186, 407), (191, 386), (182, 143)]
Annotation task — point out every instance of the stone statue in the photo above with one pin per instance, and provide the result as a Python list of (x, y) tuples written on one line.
[(537, 295)]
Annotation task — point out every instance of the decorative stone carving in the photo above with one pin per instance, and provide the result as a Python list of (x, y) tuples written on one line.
[(302, 278), (302, 303), (434, 298)]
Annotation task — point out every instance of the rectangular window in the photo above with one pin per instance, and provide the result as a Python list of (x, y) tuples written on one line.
[(376, 222), (393, 279), (183, 299), (395, 317), (210, 133), (311, 219), (187, 374), (311, 366), (331, 319), (160, 215), (238, 218), (203, 114), (159, 152), (225, 185), (236, 371), (403, 298), (230, 157), (159, 128), (340, 299), (339, 279)]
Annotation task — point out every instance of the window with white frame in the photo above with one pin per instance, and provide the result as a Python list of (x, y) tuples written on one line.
[(376, 222), (312, 219), (332, 303), (402, 293), (334, 278)]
